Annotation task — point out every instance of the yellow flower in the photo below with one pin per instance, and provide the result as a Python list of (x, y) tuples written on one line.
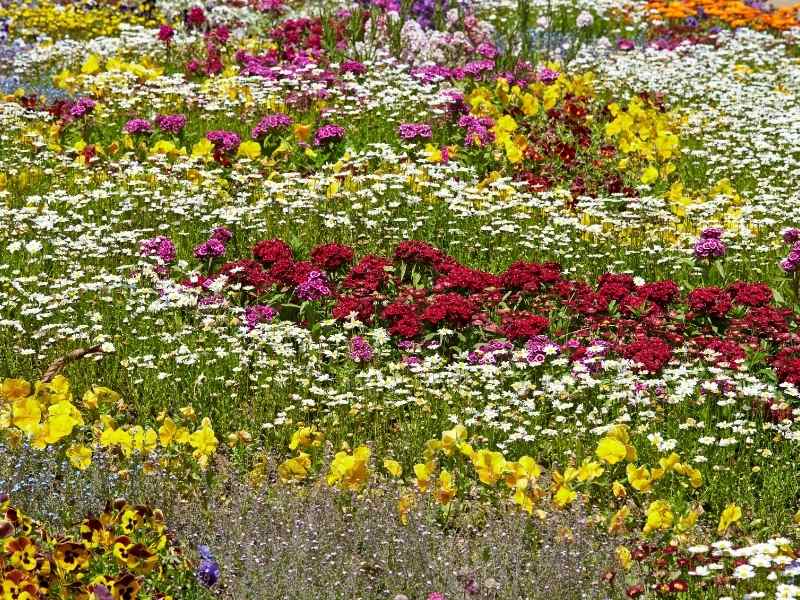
[(624, 557), (610, 450), (26, 414), (489, 465), (169, 432), (564, 496), (23, 553), (729, 516), (423, 474), (14, 389), (618, 489), (445, 490), (393, 467), (99, 395), (305, 437), (521, 473), (249, 149), (640, 478), (659, 517), (204, 442), (350, 471), (91, 65), (452, 439), (404, 505), (117, 437), (295, 469), (62, 418), (687, 521), (589, 470), (649, 175), (79, 456)]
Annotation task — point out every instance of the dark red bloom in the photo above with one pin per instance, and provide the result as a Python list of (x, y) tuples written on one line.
[(529, 276), (728, 351), (346, 305), (521, 325), (710, 301), (662, 293), (246, 272), (368, 275), (451, 308), (750, 294), (195, 16), (652, 353), (331, 257), (766, 322), (268, 252), (413, 251), (461, 278)]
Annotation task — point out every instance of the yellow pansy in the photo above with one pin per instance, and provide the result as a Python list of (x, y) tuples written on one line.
[(732, 514)]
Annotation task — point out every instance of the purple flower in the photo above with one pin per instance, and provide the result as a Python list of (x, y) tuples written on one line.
[(709, 248), (213, 248), (538, 347), (410, 131), (171, 123), (224, 141), (160, 246), (135, 126), (258, 313), (547, 76), (487, 50), (327, 134), (83, 106), (791, 262), (360, 350), (791, 235), (314, 287), (223, 234), (352, 66), (269, 123), (478, 130), (208, 569)]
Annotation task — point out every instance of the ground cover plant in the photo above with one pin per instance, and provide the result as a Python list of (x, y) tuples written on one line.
[(404, 299)]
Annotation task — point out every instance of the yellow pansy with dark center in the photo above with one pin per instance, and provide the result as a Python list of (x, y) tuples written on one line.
[(71, 556), (23, 553), (126, 587)]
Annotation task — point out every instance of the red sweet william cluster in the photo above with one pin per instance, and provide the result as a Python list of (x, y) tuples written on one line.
[(421, 289)]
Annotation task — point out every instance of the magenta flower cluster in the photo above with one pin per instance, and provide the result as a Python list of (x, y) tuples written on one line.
[(412, 131), (171, 123), (214, 247), (328, 134), (709, 246), (270, 123), (314, 287), (224, 141), (160, 246), (135, 126)]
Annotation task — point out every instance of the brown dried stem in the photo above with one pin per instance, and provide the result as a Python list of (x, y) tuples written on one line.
[(58, 364)]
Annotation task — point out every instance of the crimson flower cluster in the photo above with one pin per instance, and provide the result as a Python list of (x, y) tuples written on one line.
[(420, 289)]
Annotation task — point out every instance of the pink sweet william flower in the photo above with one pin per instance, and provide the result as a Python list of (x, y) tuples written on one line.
[(166, 33), (327, 134), (436, 596)]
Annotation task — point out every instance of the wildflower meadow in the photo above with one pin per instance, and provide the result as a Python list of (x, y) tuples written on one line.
[(399, 299)]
